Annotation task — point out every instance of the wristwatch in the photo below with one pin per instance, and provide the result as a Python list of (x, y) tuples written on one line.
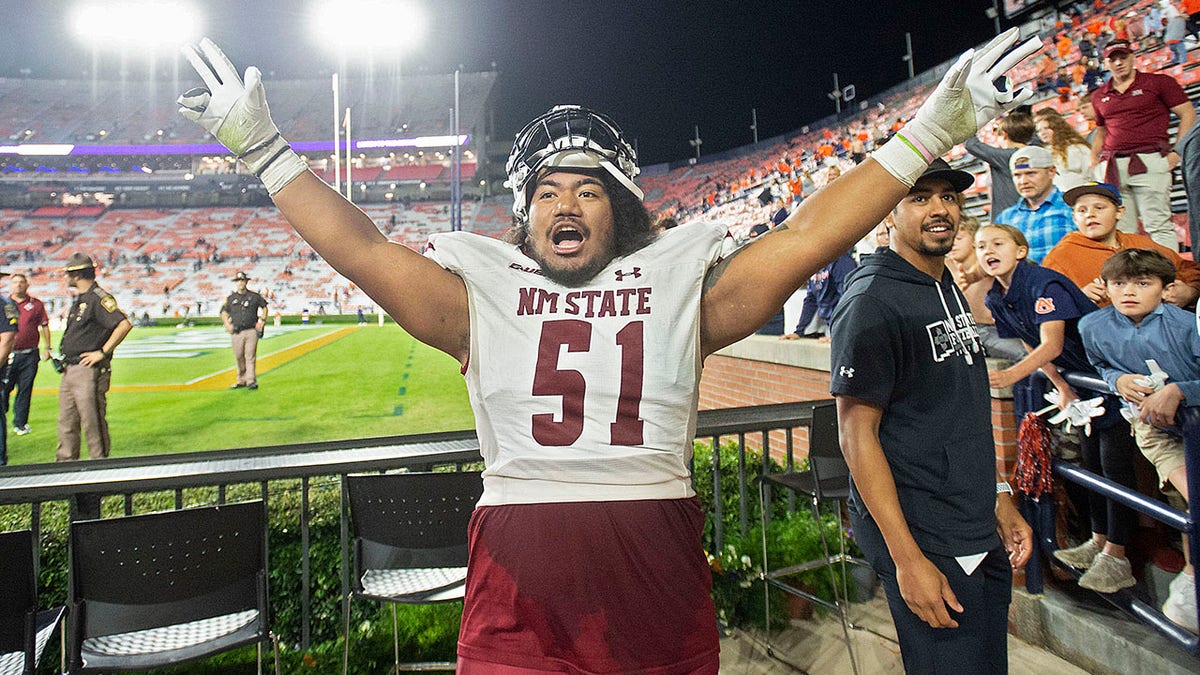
[(1003, 486)]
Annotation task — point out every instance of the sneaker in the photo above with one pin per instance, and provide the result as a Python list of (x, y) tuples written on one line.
[(1107, 575), (239, 385), (252, 385), (1180, 606), (1079, 557), (21, 431)]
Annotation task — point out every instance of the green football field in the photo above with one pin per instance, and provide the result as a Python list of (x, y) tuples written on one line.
[(170, 391)]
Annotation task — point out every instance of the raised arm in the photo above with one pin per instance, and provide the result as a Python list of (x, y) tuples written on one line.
[(425, 299), (428, 301), (747, 288)]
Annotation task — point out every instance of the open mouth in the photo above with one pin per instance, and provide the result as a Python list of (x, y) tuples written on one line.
[(567, 239), (991, 263), (939, 228)]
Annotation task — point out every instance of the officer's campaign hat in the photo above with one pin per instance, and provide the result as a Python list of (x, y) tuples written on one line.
[(78, 261), (241, 276)]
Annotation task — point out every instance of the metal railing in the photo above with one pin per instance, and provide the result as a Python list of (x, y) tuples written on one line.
[(1041, 518), (273, 469)]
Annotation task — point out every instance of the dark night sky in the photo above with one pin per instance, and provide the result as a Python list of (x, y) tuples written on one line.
[(656, 67)]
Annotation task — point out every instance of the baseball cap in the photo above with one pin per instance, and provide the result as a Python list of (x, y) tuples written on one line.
[(939, 168), (1116, 47), (78, 261), (1031, 157), (241, 276), (1093, 188)]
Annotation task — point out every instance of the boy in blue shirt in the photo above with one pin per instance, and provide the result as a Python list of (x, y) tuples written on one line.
[(1119, 340)]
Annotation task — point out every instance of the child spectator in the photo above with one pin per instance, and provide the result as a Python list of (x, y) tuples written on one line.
[(1043, 308), (1119, 340), (964, 265), (1096, 209)]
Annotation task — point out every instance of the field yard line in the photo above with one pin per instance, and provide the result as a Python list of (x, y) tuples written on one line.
[(222, 379)]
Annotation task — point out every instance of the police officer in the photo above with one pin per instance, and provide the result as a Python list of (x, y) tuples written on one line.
[(95, 326), (8, 331), (244, 315)]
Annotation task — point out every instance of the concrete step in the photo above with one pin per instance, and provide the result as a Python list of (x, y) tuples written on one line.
[(817, 646), (1083, 629)]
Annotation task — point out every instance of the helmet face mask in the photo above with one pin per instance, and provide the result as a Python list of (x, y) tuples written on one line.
[(569, 137)]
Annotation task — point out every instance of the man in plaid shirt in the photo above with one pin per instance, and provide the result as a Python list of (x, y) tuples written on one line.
[(1041, 215)]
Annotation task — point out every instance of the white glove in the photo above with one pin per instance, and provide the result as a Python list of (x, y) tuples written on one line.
[(237, 115), (965, 100)]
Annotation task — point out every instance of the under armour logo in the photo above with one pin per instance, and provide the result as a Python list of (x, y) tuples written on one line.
[(621, 274), (845, 372)]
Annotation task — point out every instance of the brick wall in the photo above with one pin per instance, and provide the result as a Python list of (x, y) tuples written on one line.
[(730, 382)]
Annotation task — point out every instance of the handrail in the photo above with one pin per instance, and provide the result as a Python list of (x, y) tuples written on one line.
[(39, 482), (1188, 418)]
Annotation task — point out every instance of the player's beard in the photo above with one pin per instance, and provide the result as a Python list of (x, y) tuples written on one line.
[(572, 277), (576, 275)]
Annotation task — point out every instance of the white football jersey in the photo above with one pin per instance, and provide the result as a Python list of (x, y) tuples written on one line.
[(588, 393)]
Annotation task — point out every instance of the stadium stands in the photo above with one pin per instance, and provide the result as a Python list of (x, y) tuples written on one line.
[(165, 261)]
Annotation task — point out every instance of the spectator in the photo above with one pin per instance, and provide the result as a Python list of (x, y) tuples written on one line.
[(974, 284), (33, 330), (1191, 8), (908, 374), (1096, 208), (821, 295), (1072, 154), (1133, 111), (1152, 23), (8, 330), (1173, 36), (1041, 215), (1088, 113), (1043, 309), (1015, 131), (1120, 340)]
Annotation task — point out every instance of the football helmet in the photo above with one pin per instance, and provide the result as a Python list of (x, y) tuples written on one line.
[(569, 137)]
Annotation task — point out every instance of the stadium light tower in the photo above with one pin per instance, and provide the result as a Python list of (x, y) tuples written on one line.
[(142, 27)]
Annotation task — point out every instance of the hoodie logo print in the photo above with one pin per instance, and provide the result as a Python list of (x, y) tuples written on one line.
[(845, 372), (947, 337)]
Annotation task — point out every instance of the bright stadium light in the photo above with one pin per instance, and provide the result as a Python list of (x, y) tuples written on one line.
[(142, 26), (370, 27)]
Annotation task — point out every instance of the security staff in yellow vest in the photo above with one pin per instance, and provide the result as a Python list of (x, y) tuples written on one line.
[(95, 326)]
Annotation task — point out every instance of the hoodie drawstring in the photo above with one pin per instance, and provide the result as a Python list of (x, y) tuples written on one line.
[(957, 341)]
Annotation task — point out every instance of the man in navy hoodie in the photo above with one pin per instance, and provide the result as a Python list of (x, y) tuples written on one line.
[(915, 417)]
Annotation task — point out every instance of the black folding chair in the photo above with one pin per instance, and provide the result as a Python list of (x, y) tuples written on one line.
[(24, 631), (153, 590), (827, 478), (409, 543)]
